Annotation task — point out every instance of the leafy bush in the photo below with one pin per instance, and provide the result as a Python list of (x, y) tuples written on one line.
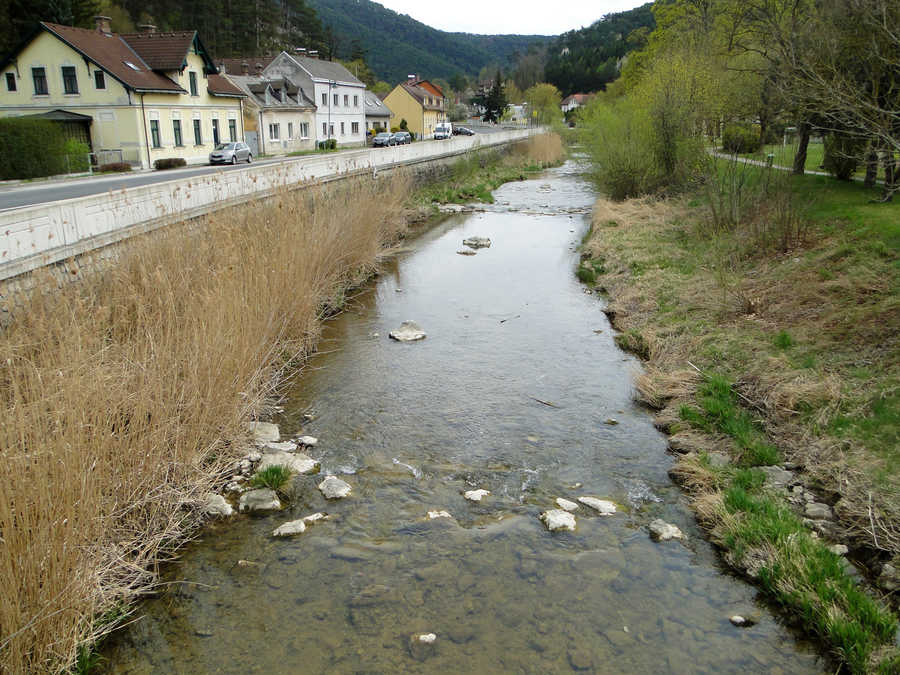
[(330, 144), (741, 139), (169, 163), (842, 155), (77, 156), (114, 167), (273, 477), (31, 148)]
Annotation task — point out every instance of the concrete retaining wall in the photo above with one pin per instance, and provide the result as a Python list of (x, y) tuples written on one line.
[(36, 236)]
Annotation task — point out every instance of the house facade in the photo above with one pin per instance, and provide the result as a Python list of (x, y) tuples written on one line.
[(338, 95), (378, 115), (284, 114), (137, 97), (421, 103), (574, 101)]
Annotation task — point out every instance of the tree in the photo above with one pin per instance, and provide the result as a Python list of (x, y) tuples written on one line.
[(495, 101), (543, 103)]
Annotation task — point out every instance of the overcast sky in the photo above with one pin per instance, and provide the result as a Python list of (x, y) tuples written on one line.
[(493, 17)]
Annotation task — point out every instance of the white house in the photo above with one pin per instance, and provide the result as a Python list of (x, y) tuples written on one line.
[(339, 96)]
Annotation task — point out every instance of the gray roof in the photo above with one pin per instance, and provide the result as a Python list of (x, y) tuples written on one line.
[(375, 107), (261, 91), (326, 70)]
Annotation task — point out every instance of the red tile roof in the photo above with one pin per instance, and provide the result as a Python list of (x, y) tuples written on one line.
[(219, 85), (421, 95), (162, 51)]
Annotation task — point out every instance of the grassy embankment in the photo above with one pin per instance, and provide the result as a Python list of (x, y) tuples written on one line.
[(126, 398), (774, 338), (472, 179)]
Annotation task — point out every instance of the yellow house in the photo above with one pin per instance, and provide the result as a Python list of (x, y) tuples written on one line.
[(133, 97), (419, 102)]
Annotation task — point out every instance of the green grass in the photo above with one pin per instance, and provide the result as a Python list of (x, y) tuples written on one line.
[(273, 477), (474, 178)]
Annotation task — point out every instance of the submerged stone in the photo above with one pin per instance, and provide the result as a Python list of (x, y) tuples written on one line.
[(315, 517), (466, 252), (557, 519), (602, 506), (663, 531), (409, 331), (334, 488), (262, 499), (476, 495), (438, 514), (477, 242)]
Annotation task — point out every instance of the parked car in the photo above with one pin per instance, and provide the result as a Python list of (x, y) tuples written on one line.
[(383, 140), (443, 131), (402, 137), (231, 153), (463, 131)]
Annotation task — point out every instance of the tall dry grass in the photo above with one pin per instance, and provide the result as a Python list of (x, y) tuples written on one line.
[(545, 149), (124, 397)]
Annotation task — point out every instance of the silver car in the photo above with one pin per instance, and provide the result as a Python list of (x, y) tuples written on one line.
[(231, 153)]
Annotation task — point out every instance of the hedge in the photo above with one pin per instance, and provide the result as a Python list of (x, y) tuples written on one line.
[(741, 139), (31, 148), (169, 163), (114, 167)]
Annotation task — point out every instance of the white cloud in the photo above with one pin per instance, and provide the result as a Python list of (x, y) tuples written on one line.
[(526, 17)]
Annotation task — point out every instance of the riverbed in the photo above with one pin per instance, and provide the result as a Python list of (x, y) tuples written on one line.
[(518, 389)]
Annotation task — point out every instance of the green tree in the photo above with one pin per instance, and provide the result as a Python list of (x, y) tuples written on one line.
[(543, 104), (495, 101)]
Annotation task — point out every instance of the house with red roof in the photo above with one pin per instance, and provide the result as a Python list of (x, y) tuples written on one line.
[(134, 97), (575, 101)]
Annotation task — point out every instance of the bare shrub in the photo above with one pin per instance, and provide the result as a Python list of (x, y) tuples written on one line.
[(124, 396)]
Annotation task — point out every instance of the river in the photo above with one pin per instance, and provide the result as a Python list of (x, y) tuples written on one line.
[(411, 426)]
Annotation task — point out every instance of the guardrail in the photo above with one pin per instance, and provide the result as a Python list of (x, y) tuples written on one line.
[(34, 236)]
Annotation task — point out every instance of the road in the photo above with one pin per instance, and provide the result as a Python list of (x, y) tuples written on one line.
[(28, 194)]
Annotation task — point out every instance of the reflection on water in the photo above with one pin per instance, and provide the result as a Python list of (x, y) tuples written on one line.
[(413, 426)]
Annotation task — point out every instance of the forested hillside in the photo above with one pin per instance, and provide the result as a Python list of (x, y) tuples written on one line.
[(396, 45), (586, 60)]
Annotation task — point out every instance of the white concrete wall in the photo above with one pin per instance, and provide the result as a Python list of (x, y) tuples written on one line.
[(34, 236)]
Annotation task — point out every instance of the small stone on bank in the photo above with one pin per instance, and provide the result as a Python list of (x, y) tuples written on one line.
[(295, 462), (264, 432), (262, 499), (818, 511), (663, 531), (290, 529), (217, 506), (476, 495), (285, 446), (409, 331), (566, 505), (334, 488), (603, 506), (308, 441), (557, 519)]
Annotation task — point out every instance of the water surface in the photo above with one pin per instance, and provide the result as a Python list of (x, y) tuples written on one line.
[(413, 426)]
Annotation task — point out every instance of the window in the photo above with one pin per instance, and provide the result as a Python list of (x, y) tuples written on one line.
[(324, 99), (304, 129), (10, 82), (356, 101), (232, 130), (335, 99), (331, 130), (346, 100), (39, 76), (215, 131), (342, 128), (99, 79), (324, 129), (176, 129), (70, 80), (354, 127), (154, 133), (198, 137), (274, 132), (193, 78), (290, 130)]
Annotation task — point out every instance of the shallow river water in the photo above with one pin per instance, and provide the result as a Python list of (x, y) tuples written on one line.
[(411, 427)]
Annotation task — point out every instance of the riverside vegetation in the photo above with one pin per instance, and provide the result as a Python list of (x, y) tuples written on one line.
[(127, 397)]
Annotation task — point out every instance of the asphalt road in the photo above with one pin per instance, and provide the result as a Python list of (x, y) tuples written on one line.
[(28, 194)]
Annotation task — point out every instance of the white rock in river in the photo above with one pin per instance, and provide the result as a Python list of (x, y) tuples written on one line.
[(290, 529), (216, 505), (476, 495), (663, 531), (409, 331), (263, 499), (308, 440), (438, 514), (603, 506), (477, 242), (286, 446), (557, 519), (314, 517), (295, 462), (334, 488), (566, 505), (427, 638), (264, 432)]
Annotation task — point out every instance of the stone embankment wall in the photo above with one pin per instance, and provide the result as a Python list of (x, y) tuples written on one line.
[(56, 243)]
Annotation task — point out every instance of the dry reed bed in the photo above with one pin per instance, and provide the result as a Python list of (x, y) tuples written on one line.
[(123, 397)]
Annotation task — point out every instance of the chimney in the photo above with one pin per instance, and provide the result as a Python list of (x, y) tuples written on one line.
[(245, 68), (300, 50), (146, 28), (313, 53), (410, 79), (259, 69), (102, 24)]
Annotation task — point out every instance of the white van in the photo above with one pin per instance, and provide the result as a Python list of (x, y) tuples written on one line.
[(443, 131)]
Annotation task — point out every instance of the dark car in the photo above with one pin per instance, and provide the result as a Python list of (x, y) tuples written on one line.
[(463, 131), (383, 140), (231, 153), (402, 137)]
